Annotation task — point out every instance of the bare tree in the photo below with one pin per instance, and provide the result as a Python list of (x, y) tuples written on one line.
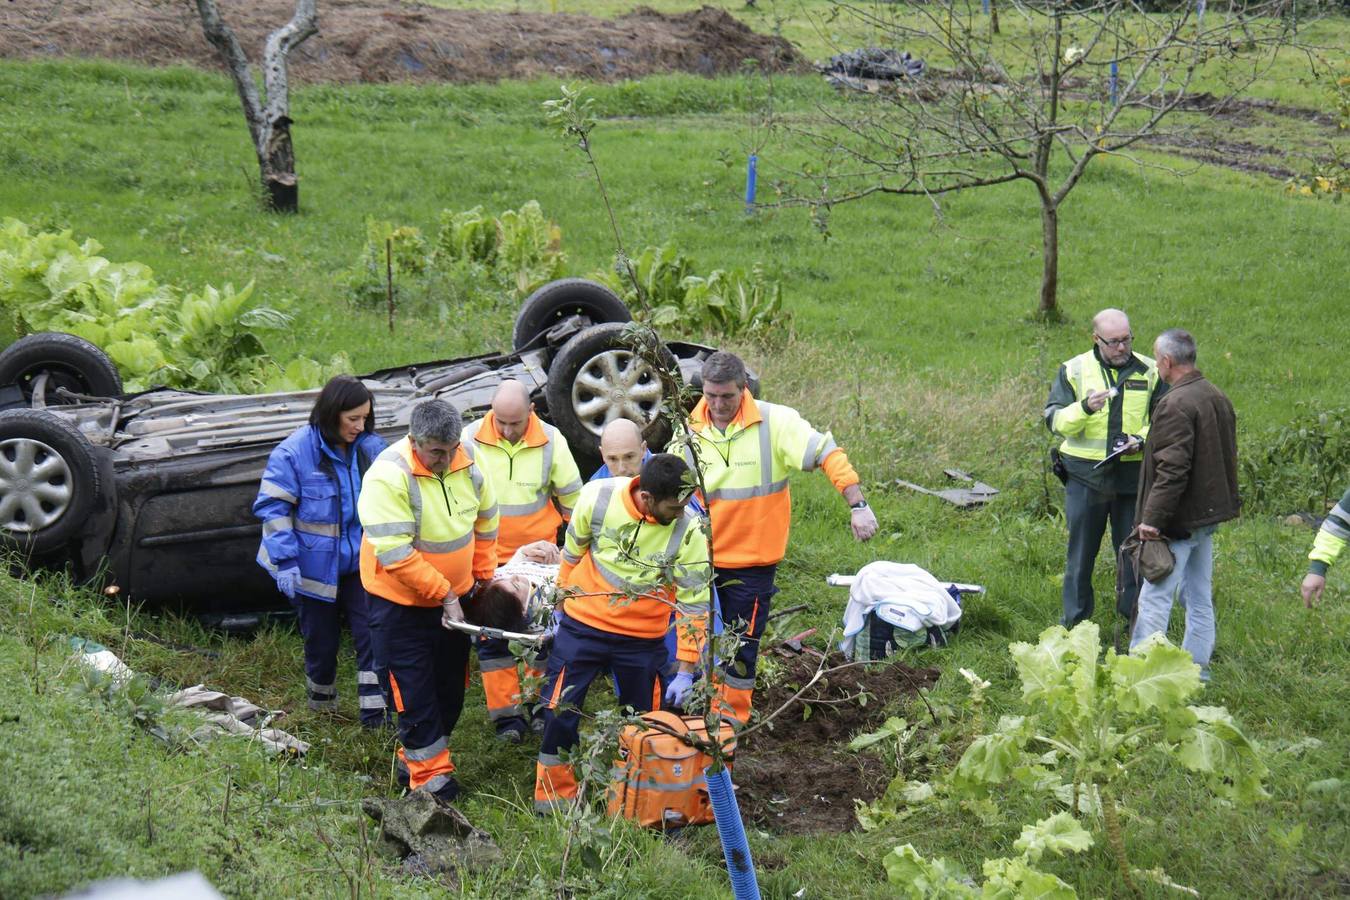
[(269, 122), (1070, 81)]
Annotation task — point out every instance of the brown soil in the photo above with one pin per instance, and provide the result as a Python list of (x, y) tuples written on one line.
[(374, 41), (801, 778)]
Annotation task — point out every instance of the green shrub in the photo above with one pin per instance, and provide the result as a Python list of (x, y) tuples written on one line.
[(155, 333)]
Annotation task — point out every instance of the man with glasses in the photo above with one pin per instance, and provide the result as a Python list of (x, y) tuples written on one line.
[(1101, 404)]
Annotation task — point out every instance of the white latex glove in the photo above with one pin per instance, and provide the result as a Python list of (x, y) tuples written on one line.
[(864, 523), (451, 611)]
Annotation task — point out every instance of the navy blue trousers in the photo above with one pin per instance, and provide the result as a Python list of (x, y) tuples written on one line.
[(428, 668), (321, 626), (746, 597), (579, 654)]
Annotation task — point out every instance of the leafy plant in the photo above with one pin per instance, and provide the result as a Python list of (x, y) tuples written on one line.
[(155, 333), (1301, 464), (1091, 725), (1009, 877), (729, 303)]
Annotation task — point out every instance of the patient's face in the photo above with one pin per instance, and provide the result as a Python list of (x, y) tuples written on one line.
[(519, 585)]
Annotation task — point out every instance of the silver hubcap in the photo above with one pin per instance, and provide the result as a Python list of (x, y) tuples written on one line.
[(35, 485), (615, 384)]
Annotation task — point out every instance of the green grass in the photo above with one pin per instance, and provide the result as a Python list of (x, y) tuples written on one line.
[(911, 340)]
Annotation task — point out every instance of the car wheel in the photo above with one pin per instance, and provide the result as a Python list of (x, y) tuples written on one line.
[(41, 363), (49, 481), (597, 378), (560, 299)]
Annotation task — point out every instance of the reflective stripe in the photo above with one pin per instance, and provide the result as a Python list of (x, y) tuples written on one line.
[(765, 445), (601, 509), (390, 529), (318, 588), (398, 554), (371, 701), (691, 609), (323, 690), (812, 449), (691, 581), (476, 476), (745, 493), (434, 784), (1078, 442), (442, 546), (569, 556), (677, 535), (570, 488), (548, 806), (422, 754), (323, 705), (546, 470), (489, 512), (666, 786), (280, 523), (277, 492), (522, 509), (319, 528), (549, 760), (487, 535), (363, 677), (744, 684), (493, 665), (1337, 523)]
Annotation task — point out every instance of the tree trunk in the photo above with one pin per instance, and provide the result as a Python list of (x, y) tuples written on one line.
[(277, 162), (1049, 305), (993, 16), (269, 124)]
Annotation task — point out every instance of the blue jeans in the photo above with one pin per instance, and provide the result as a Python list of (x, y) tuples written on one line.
[(1192, 583)]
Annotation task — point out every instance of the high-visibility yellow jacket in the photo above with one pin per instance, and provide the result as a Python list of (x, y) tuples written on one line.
[(745, 469), (425, 534), (1086, 434), (612, 550), (536, 479), (1331, 537)]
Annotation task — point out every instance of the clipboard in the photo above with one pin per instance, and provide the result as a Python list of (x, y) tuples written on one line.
[(1127, 447)]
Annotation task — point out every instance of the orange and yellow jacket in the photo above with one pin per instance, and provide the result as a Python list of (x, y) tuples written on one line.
[(745, 469), (536, 479), (425, 534), (614, 552)]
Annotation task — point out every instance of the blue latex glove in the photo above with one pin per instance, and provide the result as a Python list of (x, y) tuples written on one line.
[(681, 686), (552, 630), (288, 580)]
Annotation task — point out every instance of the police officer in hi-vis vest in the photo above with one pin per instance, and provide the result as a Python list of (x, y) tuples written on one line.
[(1100, 403)]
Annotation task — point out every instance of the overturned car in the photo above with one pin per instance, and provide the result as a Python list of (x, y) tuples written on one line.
[(153, 491)]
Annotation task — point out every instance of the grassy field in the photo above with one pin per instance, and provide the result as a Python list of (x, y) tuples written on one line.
[(912, 340)]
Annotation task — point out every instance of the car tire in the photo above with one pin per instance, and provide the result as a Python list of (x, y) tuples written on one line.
[(560, 299), (595, 378), (49, 481), (70, 362)]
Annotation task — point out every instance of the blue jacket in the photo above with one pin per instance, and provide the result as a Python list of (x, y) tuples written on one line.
[(307, 503)]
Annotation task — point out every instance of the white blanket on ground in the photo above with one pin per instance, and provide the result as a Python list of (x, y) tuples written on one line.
[(901, 594)]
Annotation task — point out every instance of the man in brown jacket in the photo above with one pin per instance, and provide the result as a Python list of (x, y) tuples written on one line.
[(1188, 486)]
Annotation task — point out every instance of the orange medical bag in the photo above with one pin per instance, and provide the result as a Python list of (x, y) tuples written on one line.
[(658, 778)]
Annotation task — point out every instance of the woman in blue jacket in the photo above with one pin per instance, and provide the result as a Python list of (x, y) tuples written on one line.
[(312, 538)]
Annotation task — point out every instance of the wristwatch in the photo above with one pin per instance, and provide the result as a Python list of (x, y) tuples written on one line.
[(861, 504)]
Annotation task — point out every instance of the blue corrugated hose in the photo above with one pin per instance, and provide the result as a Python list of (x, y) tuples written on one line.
[(732, 832)]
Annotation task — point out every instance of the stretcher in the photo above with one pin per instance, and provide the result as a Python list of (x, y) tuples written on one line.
[(837, 580), (533, 637)]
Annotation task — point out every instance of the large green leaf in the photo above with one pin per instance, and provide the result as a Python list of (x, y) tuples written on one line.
[(990, 759), (1061, 833), (1217, 747), (922, 879), (1013, 879), (1157, 675)]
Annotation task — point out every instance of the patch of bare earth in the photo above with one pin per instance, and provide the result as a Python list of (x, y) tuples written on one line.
[(373, 41), (800, 777)]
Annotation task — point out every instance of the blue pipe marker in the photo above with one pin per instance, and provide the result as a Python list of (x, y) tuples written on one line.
[(985, 5), (1115, 76), (750, 176), (730, 828)]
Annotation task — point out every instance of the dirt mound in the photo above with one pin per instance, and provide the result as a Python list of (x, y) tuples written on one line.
[(801, 778), (373, 41)]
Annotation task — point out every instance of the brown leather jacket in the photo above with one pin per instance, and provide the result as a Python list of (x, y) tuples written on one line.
[(1190, 460)]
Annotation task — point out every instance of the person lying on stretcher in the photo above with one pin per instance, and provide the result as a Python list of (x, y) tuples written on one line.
[(520, 596)]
